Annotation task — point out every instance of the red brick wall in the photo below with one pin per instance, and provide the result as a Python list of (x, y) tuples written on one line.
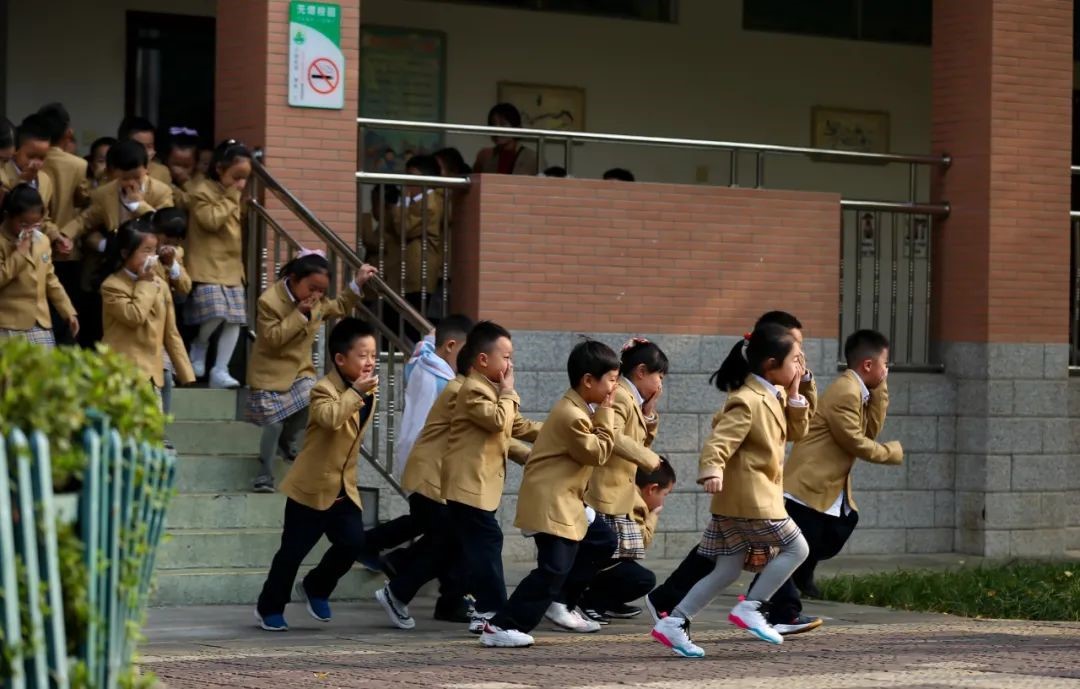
[(311, 151), (1002, 92), (567, 254)]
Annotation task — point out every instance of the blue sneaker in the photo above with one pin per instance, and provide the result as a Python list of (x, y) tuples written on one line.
[(272, 623), (319, 608)]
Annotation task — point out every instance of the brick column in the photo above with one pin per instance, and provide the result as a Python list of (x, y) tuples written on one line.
[(312, 152), (1002, 87)]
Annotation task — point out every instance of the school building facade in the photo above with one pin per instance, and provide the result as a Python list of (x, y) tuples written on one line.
[(973, 280)]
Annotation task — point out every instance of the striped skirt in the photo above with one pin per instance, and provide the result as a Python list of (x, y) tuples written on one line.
[(35, 335), (265, 407), (631, 540), (759, 539), (207, 302)]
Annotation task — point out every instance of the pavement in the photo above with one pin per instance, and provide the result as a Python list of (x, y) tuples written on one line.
[(858, 647)]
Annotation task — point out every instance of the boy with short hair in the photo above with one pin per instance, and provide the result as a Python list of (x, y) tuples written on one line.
[(142, 130), (67, 171), (626, 580), (27, 166), (130, 193), (817, 475), (486, 417), (579, 434), (322, 494)]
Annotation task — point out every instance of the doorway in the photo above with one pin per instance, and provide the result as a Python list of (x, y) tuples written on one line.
[(170, 71)]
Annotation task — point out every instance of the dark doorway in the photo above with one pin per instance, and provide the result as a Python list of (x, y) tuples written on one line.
[(170, 71)]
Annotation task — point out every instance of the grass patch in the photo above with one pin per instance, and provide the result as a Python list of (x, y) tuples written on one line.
[(1012, 590)]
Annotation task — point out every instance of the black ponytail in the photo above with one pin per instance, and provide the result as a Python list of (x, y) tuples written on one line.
[(20, 199), (226, 153), (302, 266), (768, 341), (121, 244)]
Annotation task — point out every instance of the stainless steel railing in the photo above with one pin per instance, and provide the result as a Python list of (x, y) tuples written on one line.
[(270, 245), (1074, 287)]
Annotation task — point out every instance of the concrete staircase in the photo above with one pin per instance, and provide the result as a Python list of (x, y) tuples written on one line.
[(220, 537)]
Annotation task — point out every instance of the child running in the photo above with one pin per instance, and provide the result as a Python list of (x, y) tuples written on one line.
[(741, 467)]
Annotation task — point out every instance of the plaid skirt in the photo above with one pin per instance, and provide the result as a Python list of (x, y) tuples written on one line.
[(631, 540), (758, 538), (35, 335), (207, 302), (265, 407)]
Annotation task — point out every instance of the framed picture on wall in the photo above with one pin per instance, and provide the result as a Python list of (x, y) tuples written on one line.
[(543, 106), (844, 129), (402, 77)]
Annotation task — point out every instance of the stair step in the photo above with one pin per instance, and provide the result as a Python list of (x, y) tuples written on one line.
[(214, 437), (226, 511), (221, 473), (241, 586), (249, 547), (204, 404)]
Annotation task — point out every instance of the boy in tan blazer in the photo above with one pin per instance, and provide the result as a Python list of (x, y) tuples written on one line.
[(323, 498), (142, 131), (486, 417), (578, 435), (130, 194), (28, 166), (817, 475)]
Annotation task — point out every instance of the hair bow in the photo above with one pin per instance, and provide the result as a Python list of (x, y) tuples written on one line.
[(185, 131), (746, 336), (311, 252), (633, 342)]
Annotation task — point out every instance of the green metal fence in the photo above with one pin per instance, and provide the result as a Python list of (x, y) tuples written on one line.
[(120, 520)]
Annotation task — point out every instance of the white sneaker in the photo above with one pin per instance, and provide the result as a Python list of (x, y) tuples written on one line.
[(479, 619), (674, 632), (198, 358), (220, 379), (497, 637), (746, 614), (395, 610), (563, 618)]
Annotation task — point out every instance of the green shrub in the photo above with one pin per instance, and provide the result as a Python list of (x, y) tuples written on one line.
[(61, 392), (1020, 590)]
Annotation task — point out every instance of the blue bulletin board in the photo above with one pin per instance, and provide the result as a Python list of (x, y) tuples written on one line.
[(402, 77)]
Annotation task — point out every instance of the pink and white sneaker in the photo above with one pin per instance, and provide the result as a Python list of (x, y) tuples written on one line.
[(746, 614)]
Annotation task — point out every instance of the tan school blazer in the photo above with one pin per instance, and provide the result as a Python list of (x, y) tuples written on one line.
[(474, 467), (284, 337), (71, 185), (746, 449), (140, 323), (612, 487), (572, 443), (420, 226), (182, 284), (842, 431), (28, 283), (326, 465), (423, 467), (215, 236), (645, 519)]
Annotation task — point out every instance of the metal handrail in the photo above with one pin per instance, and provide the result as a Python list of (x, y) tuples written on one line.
[(938, 209), (417, 180), (667, 142), (339, 247)]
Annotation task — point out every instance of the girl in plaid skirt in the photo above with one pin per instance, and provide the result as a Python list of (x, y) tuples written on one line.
[(742, 468), (28, 282), (281, 373), (215, 259)]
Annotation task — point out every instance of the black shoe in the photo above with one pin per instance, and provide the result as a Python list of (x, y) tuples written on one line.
[(452, 610), (622, 611), (595, 615), (798, 625)]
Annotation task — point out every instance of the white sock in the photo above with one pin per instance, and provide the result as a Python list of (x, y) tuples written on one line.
[(226, 344), (206, 330)]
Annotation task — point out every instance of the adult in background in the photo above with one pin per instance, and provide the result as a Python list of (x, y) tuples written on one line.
[(507, 156)]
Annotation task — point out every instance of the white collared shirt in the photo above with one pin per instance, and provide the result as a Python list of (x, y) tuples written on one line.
[(416, 198), (33, 183), (796, 401)]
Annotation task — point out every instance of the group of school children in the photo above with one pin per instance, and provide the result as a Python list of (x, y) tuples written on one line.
[(592, 488), (114, 244), (114, 252)]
